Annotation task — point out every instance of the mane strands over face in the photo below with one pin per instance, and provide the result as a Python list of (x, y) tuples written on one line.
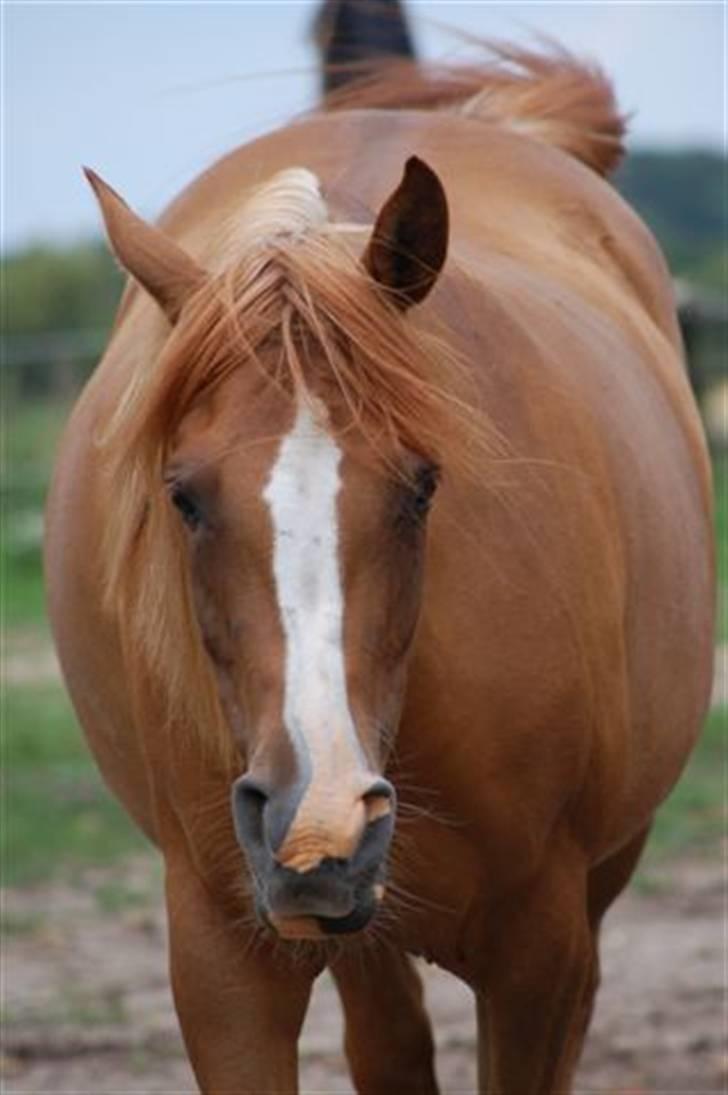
[(298, 307)]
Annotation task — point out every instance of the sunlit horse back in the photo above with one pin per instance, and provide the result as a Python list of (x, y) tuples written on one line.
[(379, 564)]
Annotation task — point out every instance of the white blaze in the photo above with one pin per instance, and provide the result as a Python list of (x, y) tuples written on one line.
[(302, 497)]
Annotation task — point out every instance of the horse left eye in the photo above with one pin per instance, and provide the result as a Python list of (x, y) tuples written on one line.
[(187, 508)]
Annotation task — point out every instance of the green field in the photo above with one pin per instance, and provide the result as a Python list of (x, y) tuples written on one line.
[(30, 438), (58, 815)]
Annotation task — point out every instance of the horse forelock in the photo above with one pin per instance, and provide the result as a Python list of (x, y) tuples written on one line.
[(298, 286), (285, 207)]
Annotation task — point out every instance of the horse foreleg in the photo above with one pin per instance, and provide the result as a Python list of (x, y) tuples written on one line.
[(388, 1038), (604, 884), (532, 999), (240, 1004)]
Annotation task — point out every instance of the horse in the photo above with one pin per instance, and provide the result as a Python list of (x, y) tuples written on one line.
[(380, 568)]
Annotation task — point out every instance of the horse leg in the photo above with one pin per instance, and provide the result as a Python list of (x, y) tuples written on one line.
[(388, 1039), (605, 882), (240, 1005), (587, 907), (538, 970)]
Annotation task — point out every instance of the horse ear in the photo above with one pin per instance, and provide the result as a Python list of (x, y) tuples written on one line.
[(157, 263), (408, 245)]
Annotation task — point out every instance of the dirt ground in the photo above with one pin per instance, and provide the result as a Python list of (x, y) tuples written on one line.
[(88, 1008)]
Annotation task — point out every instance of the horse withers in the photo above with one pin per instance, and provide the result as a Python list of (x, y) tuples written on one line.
[(379, 565)]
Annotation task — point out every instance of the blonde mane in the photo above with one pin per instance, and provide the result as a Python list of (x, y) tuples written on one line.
[(284, 208), (298, 306)]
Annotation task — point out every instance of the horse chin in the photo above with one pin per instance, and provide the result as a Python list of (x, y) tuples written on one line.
[(296, 927)]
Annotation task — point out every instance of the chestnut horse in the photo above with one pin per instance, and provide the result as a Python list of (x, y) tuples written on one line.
[(349, 530)]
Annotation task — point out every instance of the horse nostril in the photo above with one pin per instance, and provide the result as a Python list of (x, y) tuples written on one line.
[(379, 800), (249, 798), (253, 791)]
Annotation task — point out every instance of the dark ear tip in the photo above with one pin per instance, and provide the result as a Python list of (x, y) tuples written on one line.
[(97, 184), (416, 166), (418, 173), (106, 196)]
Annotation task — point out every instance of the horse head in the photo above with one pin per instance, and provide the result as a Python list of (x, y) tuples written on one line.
[(304, 526)]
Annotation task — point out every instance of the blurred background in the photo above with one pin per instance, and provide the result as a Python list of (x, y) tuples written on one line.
[(148, 95)]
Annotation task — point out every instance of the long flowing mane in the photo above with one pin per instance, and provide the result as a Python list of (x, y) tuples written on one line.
[(296, 305)]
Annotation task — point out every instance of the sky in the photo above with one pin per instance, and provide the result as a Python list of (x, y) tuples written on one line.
[(149, 93)]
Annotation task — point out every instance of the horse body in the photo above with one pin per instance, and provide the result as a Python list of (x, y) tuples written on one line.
[(560, 665)]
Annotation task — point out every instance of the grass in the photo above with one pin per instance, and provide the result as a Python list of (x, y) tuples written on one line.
[(32, 431), (78, 1007), (25, 924), (30, 438), (58, 814), (119, 896), (693, 817)]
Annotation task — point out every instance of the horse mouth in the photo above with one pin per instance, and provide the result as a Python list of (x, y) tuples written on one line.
[(323, 927)]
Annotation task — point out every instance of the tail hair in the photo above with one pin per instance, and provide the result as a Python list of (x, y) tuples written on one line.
[(551, 96)]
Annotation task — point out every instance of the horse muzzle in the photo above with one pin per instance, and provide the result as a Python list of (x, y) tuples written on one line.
[(335, 896)]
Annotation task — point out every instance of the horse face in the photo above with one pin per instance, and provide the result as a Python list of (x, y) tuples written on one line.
[(306, 564), (305, 560)]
